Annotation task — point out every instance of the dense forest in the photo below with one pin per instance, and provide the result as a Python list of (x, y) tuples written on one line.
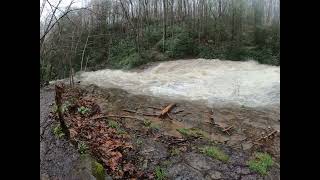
[(129, 33)]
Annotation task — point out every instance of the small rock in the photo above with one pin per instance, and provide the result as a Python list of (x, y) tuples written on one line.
[(215, 175), (145, 164), (236, 139), (242, 170), (247, 145), (220, 138), (44, 177)]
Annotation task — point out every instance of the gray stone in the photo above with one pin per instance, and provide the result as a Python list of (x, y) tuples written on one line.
[(246, 146), (242, 170), (182, 171), (215, 175), (251, 177), (200, 161)]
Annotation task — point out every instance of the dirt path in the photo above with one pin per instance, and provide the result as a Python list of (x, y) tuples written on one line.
[(58, 158)]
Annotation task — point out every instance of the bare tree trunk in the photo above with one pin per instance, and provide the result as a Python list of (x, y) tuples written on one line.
[(42, 7), (85, 68), (132, 25), (172, 17), (164, 23), (84, 49)]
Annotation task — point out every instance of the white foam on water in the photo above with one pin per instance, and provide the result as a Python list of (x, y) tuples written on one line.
[(214, 81)]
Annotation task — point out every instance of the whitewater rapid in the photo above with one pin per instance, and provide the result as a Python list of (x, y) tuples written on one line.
[(215, 82)]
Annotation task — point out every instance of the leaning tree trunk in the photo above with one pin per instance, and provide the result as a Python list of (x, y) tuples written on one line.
[(58, 99)]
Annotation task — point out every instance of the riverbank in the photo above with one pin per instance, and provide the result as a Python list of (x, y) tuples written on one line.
[(170, 146)]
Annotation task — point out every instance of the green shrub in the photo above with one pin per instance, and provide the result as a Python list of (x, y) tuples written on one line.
[(178, 46), (235, 53), (133, 60), (208, 52), (153, 36)]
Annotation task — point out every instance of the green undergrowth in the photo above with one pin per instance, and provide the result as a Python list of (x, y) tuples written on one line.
[(214, 152), (98, 170), (261, 163), (57, 131), (160, 173)]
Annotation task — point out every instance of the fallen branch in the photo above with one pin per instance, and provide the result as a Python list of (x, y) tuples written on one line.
[(227, 129), (166, 110), (268, 135)]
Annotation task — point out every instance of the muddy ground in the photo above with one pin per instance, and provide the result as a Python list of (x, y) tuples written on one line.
[(157, 143)]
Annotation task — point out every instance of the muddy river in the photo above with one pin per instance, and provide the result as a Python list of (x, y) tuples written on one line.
[(214, 82)]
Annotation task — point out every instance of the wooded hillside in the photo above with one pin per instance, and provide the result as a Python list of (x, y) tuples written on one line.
[(129, 33)]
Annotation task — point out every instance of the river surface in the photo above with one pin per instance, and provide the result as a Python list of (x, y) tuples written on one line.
[(214, 82)]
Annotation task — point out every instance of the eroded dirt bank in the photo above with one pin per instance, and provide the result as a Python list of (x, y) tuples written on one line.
[(172, 144)]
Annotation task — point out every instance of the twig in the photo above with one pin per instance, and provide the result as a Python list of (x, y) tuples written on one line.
[(154, 107), (176, 112), (178, 142), (227, 129), (211, 117), (170, 117), (145, 114), (129, 110), (267, 136), (186, 114)]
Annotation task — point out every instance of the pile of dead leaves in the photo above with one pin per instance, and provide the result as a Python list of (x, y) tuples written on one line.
[(88, 125)]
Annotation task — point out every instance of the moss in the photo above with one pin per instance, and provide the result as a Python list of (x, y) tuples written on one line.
[(121, 132), (57, 131), (83, 110), (261, 163), (113, 124), (54, 108), (139, 142), (98, 170), (147, 123), (155, 126), (215, 152), (174, 152), (82, 148), (160, 173)]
